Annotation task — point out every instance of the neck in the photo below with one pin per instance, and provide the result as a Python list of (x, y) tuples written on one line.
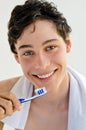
[(57, 98)]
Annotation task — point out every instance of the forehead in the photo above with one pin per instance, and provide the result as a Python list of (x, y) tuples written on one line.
[(38, 32), (39, 26)]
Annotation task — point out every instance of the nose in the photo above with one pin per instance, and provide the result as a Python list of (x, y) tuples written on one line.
[(42, 61)]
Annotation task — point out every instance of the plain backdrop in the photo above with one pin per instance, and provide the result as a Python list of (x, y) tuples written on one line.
[(73, 10)]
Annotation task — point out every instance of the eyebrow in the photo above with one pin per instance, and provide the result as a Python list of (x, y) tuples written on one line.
[(50, 40), (30, 46), (24, 46)]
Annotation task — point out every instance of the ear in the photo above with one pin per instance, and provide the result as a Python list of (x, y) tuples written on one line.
[(68, 44), (16, 58)]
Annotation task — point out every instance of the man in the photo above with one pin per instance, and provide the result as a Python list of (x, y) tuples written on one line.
[(38, 35)]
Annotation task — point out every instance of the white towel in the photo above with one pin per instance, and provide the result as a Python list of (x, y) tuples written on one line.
[(23, 88), (77, 102)]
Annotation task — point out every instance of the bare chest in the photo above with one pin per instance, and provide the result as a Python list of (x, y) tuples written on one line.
[(47, 121)]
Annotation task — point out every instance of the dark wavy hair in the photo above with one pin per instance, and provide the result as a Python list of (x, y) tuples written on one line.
[(29, 12)]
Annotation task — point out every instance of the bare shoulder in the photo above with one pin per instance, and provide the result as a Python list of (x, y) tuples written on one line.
[(7, 84)]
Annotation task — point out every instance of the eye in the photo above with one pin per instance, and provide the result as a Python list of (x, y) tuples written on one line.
[(28, 53), (50, 48)]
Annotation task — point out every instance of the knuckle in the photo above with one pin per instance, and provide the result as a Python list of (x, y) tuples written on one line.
[(8, 103), (2, 111), (9, 112), (9, 108)]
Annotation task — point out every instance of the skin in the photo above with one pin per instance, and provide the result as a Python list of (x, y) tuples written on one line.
[(7, 99), (42, 55), (43, 52), (1, 126)]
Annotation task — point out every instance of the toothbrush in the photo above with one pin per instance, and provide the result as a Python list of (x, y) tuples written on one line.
[(39, 92)]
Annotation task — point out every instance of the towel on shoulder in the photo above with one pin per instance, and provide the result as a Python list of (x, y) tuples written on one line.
[(77, 102)]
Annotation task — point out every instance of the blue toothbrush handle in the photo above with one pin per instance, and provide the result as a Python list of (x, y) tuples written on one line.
[(39, 92), (21, 100)]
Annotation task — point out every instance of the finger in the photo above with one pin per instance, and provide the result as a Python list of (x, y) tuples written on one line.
[(15, 102), (2, 113), (7, 106), (11, 97)]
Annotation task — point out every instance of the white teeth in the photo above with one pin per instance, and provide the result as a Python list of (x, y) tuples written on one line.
[(45, 76)]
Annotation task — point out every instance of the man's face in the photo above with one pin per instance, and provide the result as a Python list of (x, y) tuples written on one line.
[(42, 54)]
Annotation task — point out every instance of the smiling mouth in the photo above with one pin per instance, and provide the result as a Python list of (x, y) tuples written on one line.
[(45, 75)]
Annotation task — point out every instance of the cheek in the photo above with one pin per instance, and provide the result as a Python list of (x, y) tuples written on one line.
[(59, 57), (26, 65)]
